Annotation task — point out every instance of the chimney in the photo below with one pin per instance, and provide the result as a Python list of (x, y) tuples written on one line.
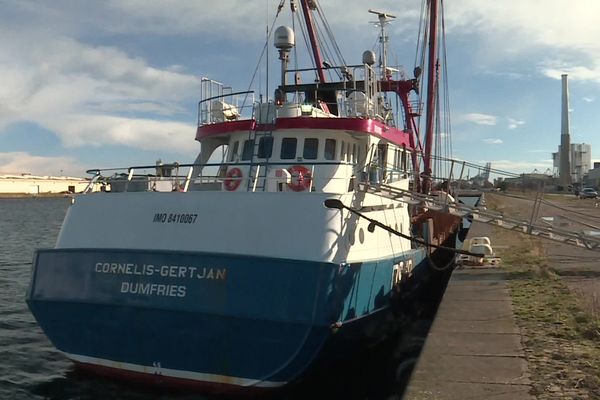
[(564, 170)]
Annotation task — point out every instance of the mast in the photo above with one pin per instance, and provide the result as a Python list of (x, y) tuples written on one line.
[(312, 35), (432, 65)]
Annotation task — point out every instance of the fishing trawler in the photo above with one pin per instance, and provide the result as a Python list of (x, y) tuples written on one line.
[(286, 238)]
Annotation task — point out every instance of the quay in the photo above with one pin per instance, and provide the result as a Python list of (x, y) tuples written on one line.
[(528, 330), (474, 349)]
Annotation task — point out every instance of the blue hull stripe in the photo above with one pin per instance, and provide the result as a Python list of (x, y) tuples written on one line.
[(219, 318)]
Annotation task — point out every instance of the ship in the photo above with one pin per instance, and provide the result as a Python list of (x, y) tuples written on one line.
[(283, 245)]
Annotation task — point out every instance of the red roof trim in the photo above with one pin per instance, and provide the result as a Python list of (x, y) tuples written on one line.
[(223, 128), (366, 126)]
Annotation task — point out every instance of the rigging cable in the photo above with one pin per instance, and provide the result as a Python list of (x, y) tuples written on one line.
[(306, 43), (327, 53), (421, 25), (279, 7), (421, 51), (437, 144), (546, 202), (448, 125), (293, 8), (337, 50)]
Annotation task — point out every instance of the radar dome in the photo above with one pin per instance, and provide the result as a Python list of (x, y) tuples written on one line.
[(369, 57), (284, 38)]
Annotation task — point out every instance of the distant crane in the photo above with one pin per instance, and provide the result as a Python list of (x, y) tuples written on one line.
[(482, 179), (486, 172)]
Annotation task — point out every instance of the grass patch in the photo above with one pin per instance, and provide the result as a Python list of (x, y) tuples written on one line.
[(560, 337)]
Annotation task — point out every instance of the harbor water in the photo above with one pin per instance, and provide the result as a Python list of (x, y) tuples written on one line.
[(30, 367)]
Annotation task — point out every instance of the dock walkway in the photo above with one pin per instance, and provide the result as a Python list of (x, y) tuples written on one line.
[(473, 350)]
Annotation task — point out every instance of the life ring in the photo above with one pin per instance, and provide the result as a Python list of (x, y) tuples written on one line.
[(233, 179), (301, 178)]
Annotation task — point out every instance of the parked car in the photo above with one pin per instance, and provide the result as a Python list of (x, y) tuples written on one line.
[(588, 193)]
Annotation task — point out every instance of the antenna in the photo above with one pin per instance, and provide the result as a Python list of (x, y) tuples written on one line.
[(382, 14), (384, 19)]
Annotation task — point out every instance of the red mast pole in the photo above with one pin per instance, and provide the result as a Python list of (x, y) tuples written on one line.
[(432, 64), (312, 35)]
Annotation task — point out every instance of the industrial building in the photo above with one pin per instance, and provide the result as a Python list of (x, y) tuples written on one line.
[(573, 160), (580, 160), (33, 185), (592, 179)]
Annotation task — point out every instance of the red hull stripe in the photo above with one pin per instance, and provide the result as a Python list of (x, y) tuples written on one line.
[(171, 378), (366, 126)]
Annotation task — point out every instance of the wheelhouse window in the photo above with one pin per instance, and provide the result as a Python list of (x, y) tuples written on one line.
[(247, 150), (330, 149), (382, 155), (265, 147), (288, 148), (311, 149), (343, 152), (233, 155)]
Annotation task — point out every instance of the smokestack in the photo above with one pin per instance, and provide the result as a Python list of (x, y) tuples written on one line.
[(564, 170)]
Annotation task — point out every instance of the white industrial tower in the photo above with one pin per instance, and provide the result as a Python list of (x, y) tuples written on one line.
[(573, 160)]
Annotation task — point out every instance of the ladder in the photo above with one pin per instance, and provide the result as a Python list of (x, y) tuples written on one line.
[(579, 239), (257, 171)]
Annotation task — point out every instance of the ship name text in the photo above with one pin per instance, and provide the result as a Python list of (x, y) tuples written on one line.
[(182, 273)]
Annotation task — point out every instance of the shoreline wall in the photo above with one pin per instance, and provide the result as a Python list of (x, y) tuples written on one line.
[(28, 184)]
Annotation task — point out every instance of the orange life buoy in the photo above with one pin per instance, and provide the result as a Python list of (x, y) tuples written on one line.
[(301, 178), (233, 179)]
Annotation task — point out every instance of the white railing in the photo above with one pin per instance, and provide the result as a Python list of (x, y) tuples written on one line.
[(334, 177), (218, 103)]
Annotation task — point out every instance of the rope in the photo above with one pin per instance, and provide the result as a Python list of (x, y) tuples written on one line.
[(395, 232)]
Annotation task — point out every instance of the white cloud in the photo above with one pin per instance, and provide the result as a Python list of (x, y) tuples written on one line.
[(555, 68), (520, 167), (514, 123), (563, 32), (492, 141), (95, 95), (22, 162), (242, 20), (589, 99), (91, 94), (189, 16), (506, 74), (559, 22), (569, 27), (96, 130), (481, 119)]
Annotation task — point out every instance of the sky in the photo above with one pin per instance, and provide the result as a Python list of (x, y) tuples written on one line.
[(114, 83)]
